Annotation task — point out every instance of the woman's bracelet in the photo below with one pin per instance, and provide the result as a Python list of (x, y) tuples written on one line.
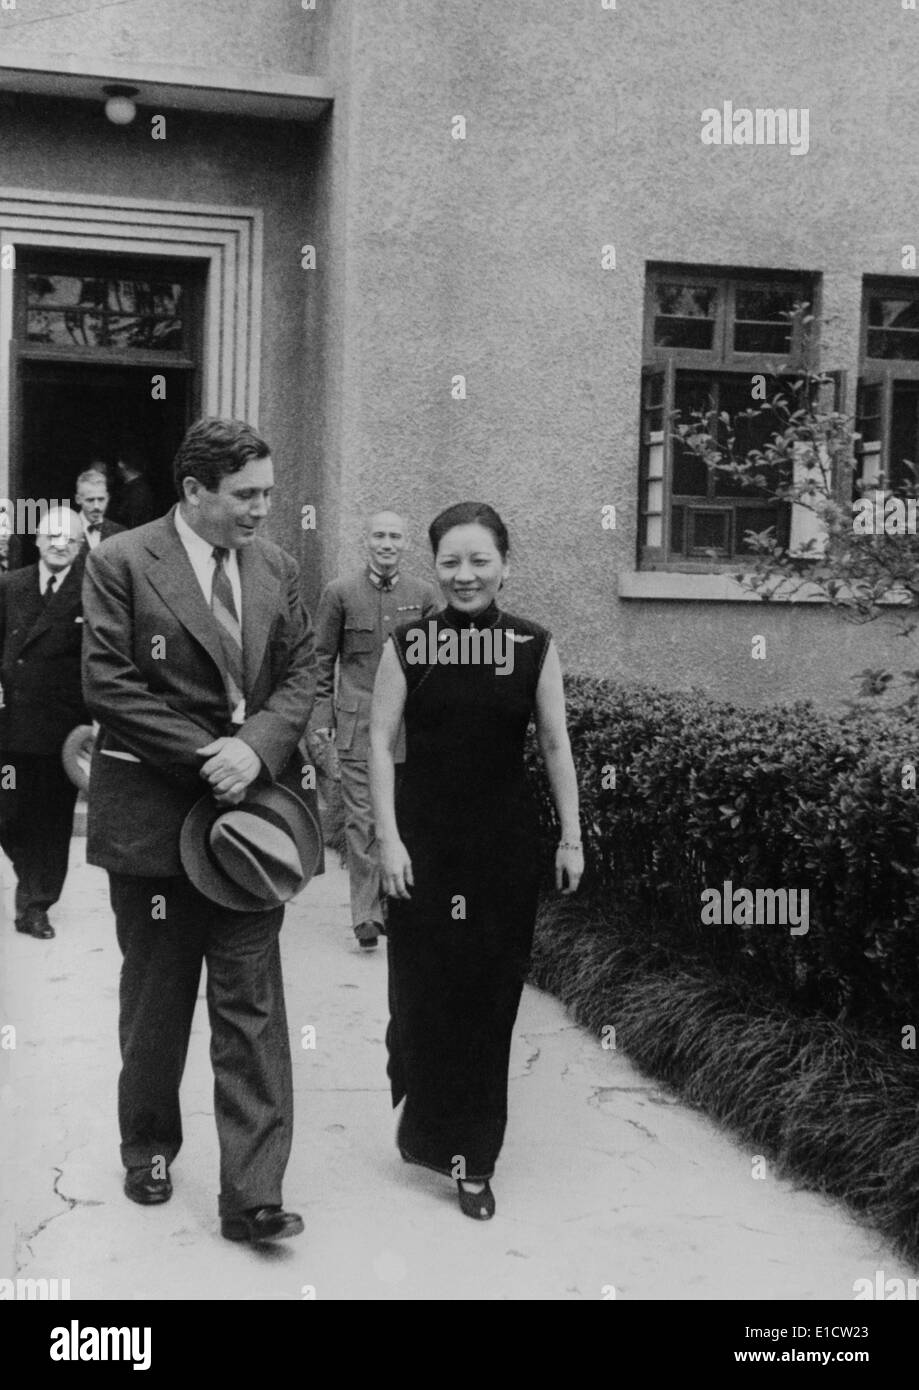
[(569, 844)]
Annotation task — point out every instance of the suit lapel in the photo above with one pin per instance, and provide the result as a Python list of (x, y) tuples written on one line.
[(260, 607), (67, 596), (175, 581)]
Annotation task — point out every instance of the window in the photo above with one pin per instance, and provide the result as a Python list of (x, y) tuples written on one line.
[(93, 308), (888, 388), (707, 334)]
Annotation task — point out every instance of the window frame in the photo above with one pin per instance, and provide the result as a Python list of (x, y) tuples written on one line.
[(52, 261), (720, 361)]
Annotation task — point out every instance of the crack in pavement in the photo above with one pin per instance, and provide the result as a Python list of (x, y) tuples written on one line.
[(70, 1203)]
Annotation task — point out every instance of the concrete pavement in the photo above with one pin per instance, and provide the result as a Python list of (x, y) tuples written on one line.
[(606, 1182)]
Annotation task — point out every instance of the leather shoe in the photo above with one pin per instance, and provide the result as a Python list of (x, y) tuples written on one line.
[(141, 1186), (261, 1223), (34, 922), (367, 933), (479, 1205)]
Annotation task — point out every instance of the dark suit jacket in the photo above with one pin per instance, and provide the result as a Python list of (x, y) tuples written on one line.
[(108, 528), (40, 661), (152, 678), (135, 504)]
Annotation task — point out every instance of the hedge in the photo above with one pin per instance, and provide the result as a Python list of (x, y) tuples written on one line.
[(780, 798)]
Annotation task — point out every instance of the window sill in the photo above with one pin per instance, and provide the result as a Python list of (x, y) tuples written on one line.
[(713, 588)]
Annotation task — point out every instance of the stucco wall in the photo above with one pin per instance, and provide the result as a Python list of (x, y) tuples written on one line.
[(71, 147), (483, 257), (241, 34)]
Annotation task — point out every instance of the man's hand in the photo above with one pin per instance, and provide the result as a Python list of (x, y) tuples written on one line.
[(231, 767)]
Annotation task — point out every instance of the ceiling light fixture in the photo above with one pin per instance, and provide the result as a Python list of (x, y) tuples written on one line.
[(119, 108)]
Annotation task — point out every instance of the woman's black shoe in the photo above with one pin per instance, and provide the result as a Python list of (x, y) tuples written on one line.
[(479, 1205)]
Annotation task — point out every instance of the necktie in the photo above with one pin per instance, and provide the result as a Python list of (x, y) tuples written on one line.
[(49, 588), (223, 607)]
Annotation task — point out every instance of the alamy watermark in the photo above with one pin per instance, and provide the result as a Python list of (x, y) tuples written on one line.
[(470, 646), (745, 907), (24, 515), (764, 125)]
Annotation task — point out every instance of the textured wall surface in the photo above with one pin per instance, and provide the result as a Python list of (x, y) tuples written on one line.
[(241, 34), (482, 257), (70, 146)]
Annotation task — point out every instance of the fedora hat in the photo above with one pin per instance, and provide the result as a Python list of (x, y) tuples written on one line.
[(252, 856)]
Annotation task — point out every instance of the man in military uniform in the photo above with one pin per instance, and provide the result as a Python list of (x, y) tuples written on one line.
[(355, 617)]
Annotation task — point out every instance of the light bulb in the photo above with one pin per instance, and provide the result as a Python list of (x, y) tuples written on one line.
[(120, 110)]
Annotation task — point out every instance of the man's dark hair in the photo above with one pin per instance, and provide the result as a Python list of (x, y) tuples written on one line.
[(214, 448), (468, 514)]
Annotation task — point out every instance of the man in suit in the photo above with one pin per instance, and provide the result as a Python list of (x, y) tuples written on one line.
[(199, 666), (135, 503), (354, 619), (92, 499), (41, 626)]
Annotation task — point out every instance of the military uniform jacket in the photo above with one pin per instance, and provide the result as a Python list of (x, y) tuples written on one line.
[(353, 622)]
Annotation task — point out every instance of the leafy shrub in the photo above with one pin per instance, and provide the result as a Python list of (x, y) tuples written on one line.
[(783, 797)]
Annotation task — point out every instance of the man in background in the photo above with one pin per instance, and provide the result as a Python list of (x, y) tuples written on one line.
[(354, 619), (135, 503), (41, 629), (92, 497)]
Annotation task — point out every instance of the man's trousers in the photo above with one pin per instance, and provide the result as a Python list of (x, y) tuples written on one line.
[(361, 843), (36, 823), (166, 928)]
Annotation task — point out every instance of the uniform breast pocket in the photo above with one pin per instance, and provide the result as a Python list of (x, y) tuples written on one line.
[(357, 640)]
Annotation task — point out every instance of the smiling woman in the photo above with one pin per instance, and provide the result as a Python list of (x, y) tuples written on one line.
[(457, 848)]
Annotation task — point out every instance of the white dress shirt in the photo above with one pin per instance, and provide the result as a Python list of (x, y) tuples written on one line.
[(92, 537), (44, 574), (201, 555)]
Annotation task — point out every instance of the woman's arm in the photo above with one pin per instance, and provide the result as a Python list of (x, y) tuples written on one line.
[(552, 734), (389, 692)]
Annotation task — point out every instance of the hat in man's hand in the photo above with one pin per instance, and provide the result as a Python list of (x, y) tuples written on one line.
[(252, 856)]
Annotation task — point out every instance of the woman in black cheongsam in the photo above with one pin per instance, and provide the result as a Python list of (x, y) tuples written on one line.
[(458, 848)]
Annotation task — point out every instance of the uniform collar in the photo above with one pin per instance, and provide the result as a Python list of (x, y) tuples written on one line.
[(376, 579)]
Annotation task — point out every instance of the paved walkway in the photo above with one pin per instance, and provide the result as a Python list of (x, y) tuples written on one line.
[(605, 1181)]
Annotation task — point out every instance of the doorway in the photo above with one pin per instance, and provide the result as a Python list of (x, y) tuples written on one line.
[(76, 416), (106, 357)]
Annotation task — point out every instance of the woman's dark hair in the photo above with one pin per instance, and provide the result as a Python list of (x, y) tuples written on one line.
[(213, 448), (470, 514)]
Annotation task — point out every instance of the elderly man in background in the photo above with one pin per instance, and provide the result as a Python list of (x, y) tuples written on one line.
[(41, 628), (92, 497), (354, 619)]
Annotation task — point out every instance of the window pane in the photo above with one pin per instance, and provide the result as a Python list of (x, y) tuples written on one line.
[(676, 530), (693, 394), (904, 444), (756, 519), (132, 313), (66, 327), (684, 316), (64, 291), (710, 531), (763, 337), (752, 431), (884, 342), (761, 318), (765, 303), (893, 313)]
